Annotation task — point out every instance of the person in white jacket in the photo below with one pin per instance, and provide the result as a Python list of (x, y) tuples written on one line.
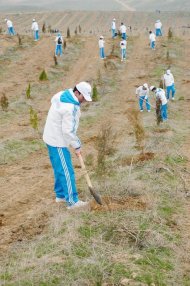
[(123, 46), (113, 28), (169, 83), (60, 133), (123, 31), (142, 92), (101, 43), (10, 27), (59, 45), (158, 28), (35, 30), (152, 39), (160, 95)]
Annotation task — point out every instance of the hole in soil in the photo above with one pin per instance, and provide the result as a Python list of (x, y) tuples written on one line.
[(162, 130), (112, 204), (112, 57), (137, 158)]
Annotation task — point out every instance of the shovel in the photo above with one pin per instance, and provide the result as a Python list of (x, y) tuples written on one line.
[(92, 191)]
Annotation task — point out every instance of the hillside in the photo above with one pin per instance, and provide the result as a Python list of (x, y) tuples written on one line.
[(96, 5), (140, 235)]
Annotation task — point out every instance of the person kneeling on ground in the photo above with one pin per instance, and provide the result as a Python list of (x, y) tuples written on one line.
[(143, 92), (60, 133), (160, 95)]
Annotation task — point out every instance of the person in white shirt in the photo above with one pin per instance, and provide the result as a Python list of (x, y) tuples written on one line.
[(160, 95), (59, 44), (158, 28), (59, 134), (10, 27), (101, 43), (152, 39), (113, 29), (35, 30), (169, 83), (142, 92), (123, 30), (123, 46)]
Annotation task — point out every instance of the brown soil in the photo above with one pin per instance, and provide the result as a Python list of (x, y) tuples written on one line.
[(115, 204), (127, 161)]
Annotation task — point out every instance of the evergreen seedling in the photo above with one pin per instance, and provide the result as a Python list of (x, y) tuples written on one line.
[(44, 28), (68, 33), (4, 102), (33, 118), (94, 93), (55, 60), (158, 111), (64, 44), (1, 30), (76, 31), (43, 76), (170, 34), (28, 92), (80, 30), (19, 40)]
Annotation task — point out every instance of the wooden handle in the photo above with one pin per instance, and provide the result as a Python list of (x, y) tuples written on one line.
[(86, 173)]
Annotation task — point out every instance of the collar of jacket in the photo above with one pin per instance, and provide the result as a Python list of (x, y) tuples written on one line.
[(68, 97)]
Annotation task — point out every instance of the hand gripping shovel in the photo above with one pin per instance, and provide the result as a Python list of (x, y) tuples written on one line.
[(92, 191)]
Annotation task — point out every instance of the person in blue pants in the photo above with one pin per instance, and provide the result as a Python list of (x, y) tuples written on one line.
[(60, 133), (169, 84), (113, 28), (142, 92), (10, 27), (59, 45), (101, 43), (161, 96)]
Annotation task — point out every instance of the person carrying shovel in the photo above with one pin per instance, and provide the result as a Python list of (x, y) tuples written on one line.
[(60, 133), (142, 92), (161, 96)]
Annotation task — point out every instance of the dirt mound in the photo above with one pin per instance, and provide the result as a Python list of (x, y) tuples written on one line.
[(126, 161), (113, 204)]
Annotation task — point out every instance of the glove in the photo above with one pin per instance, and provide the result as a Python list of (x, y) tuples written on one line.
[(78, 151), (145, 97)]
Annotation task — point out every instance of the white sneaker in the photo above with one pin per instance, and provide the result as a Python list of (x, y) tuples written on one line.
[(78, 204), (148, 110), (173, 98), (60, 200), (141, 110)]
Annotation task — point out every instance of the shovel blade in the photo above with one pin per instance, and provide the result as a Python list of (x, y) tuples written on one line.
[(96, 196)]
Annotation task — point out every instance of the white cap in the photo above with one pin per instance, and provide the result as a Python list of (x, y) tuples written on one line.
[(145, 85), (101, 37), (168, 71), (152, 87), (6, 20), (33, 20), (113, 19), (85, 89)]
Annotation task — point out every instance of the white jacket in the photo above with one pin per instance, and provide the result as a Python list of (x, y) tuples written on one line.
[(168, 79), (34, 26), (56, 40), (123, 29), (9, 23), (63, 120), (113, 25), (152, 37), (160, 93), (158, 25), (101, 43), (142, 92)]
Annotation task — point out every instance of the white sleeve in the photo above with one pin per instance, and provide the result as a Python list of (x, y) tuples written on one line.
[(69, 128), (137, 91)]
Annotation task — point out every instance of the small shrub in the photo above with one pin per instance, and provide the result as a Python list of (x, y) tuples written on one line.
[(33, 118), (170, 34), (4, 102), (99, 78), (167, 55), (1, 30), (158, 111), (64, 44), (43, 76), (55, 60), (68, 33), (28, 92), (76, 32), (80, 29), (44, 28), (49, 29), (94, 93), (19, 40)]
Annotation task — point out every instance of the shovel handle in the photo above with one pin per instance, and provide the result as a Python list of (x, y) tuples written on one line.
[(84, 168)]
